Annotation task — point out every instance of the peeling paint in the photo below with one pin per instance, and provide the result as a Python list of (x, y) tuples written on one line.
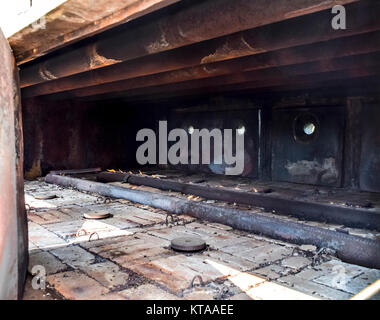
[(158, 46), (232, 50), (45, 73), (96, 60), (161, 44), (35, 170)]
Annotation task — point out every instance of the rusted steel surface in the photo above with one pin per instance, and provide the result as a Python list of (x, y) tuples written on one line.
[(294, 32), (369, 146), (22, 222), (75, 20), (349, 248), (186, 25), (349, 66), (316, 159), (285, 84), (222, 120), (13, 234), (303, 209), (89, 137), (323, 56)]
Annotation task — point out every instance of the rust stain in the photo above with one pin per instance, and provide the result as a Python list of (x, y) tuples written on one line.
[(45, 73), (232, 49), (160, 45), (96, 60), (35, 171)]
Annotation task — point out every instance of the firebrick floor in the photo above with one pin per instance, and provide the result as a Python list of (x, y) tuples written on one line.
[(128, 256)]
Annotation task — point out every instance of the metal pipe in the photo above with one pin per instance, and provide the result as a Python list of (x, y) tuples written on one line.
[(76, 171), (349, 248), (194, 22), (302, 209)]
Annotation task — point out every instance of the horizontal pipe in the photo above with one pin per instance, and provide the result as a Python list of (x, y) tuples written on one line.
[(76, 171), (349, 248), (302, 209), (199, 21), (295, 32)]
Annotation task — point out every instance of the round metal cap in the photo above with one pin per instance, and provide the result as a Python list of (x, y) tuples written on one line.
[(46, 197), (188, 244), (96, 215)]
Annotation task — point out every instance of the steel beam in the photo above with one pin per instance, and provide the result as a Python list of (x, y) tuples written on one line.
[(351, 66), (294, 32), (195, 22), (284, 83), (349, 248), (75, 20), (252, 67)]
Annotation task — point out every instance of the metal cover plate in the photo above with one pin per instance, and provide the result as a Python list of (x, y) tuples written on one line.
[(188, 244), (96, 215), (46, 197)]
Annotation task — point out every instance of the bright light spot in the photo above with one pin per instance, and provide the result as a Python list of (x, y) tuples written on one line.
[(16, 15), (102, 230), (258, 288), (309, 128), (190, 130)]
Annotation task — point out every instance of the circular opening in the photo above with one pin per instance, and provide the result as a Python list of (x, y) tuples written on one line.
[(190, 130), (306, 128), (309, 128), (241, 130)]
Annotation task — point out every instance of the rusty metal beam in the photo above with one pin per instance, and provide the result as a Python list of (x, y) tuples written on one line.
[(364, 65), (75, 20), (303, 209), (349, 248), (232, 70), (188, 25), (294, 32), (312, 80), (332, 84)]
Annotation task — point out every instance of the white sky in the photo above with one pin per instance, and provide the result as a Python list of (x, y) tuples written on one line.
[(17, 14)]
